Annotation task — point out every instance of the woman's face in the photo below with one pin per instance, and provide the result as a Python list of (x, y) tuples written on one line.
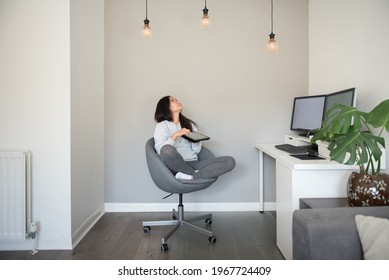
[(175, 105)]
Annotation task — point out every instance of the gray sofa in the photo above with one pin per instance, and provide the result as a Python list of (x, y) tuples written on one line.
[(330, 233)]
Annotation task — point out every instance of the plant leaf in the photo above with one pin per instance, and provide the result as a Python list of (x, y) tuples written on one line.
[(343, 119), (379, 116), (357, 146)]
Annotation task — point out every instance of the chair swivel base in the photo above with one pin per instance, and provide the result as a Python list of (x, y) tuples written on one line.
[(178, 222)]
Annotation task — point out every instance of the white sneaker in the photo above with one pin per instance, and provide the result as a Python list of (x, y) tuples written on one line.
[(183, 176)]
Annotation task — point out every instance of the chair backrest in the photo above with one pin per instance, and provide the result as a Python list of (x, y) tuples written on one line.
[(164, 179)]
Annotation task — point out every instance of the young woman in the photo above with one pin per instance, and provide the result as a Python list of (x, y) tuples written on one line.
[(179, 154)]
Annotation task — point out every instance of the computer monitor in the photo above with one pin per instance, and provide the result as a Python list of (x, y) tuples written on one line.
[(307, 113), (345, 97)]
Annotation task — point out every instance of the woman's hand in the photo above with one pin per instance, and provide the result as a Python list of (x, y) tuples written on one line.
[(179, 133)]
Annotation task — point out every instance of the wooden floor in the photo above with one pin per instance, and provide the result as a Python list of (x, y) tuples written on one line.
[(120, 236)]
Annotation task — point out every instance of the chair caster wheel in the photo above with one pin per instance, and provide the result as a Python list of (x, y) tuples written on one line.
[(208, 222), (164, 247), (212, 239), (146, 229)]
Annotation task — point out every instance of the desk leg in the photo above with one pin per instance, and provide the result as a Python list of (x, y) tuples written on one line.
[(261, 182)]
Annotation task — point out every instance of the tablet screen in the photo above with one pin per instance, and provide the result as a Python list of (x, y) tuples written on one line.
[(196, 136)]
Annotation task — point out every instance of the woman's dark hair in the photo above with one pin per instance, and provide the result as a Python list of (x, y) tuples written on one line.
[(162, 113)]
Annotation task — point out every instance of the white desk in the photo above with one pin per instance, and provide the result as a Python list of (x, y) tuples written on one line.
[(297, 179)]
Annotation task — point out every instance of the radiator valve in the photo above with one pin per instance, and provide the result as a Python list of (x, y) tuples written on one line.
[(33, 230), (33, 234)]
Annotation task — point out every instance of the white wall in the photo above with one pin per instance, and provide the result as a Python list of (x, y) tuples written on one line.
[(87, 114), (35, 107), (52, 103), (238, 93), (348, 47)]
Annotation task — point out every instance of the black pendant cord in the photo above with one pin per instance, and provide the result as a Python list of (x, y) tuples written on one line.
[(272, 17), (146, 9), (146, 21)]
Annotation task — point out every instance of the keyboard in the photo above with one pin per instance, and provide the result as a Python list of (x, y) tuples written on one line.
[(293, 149)]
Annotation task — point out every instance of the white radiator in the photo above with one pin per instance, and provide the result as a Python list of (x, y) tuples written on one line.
[(15, 195)]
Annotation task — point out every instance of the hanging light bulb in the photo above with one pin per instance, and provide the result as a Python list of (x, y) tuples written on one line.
[(272, 45), (205, 21), (146, 30)]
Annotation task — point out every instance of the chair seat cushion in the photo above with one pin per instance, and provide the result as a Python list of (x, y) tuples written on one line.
[(197, 181)]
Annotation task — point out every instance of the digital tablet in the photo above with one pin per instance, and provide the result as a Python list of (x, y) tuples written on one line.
[(195, 136)]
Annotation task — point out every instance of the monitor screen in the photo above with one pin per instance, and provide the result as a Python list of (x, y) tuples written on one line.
[(307, 113), (345, 97)]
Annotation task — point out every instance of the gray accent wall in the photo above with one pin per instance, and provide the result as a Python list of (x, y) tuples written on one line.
[(237, 92)]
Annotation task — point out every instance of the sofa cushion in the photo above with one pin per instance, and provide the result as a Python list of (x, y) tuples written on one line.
[(374, 235)]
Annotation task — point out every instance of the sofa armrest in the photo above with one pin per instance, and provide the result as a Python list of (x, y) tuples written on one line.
[(330, 233)]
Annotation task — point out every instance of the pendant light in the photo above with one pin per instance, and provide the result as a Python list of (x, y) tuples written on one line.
[(272, 44), (205, 21), (146, 30)]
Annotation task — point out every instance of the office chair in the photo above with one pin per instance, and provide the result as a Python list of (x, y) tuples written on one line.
[(166, 181)]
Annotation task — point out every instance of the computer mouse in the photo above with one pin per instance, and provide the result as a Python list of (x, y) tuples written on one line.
[(312, 153)]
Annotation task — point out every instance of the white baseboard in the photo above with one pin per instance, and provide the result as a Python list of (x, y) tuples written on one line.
[(16, 245), (166, 207), (56, 243), (87, 225), (269, 206)]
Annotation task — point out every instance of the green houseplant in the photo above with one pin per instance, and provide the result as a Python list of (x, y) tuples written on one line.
[(355, 138)]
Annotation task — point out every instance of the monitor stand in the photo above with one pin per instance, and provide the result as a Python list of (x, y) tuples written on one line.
[(303, 135), (307, 134)]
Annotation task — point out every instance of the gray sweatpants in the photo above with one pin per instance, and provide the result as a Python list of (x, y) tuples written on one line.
[(210, 168)]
